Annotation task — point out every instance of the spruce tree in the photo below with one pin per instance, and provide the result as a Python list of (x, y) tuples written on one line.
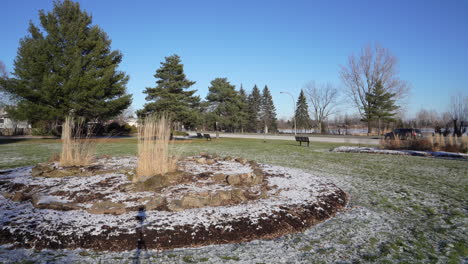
[(244, 109), (268, 111), (381, 105), (302, 112), (66, 66), (225, 103), (255, 103), (171, 94)]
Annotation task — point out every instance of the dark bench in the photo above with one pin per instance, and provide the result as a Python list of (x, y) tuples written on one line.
[(207, 136), (199, 135), (302, 139)]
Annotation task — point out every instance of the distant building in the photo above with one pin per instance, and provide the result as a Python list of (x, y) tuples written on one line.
[(10, 126)]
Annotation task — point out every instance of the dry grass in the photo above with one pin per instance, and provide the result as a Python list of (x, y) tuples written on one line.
[(153, 148), (77, 149), (435, 143)]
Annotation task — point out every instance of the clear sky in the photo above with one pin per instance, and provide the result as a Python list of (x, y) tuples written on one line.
[(282, 44)]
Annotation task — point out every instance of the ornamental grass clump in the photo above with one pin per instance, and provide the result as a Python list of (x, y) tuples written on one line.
[(77, 147), (153, 148)]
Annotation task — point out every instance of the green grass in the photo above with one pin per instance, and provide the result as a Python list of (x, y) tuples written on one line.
[(417, 205)]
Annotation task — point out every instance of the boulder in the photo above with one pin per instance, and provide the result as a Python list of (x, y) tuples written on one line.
[(237, 195), (201, 161), (107, 207), (210, 161), (219, 178), (221, 198), (155, 203), (233, 179), (195, 200)]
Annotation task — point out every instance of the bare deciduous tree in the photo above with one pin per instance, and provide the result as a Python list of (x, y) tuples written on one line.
[(459, 113), (362, 73), (323, 100), (4, 95)]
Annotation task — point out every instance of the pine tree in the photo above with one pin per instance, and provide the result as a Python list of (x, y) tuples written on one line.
[(67, 67), (255, 102), (225, 103), (302, 112), (381, 105), (268, 111), (171, 96), (244, 109)]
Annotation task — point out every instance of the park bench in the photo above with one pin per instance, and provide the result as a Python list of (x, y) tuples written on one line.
[(207, 136), (199, 135), (303, 139)]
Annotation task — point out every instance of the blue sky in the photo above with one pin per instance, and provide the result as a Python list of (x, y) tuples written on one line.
[(282, 44)]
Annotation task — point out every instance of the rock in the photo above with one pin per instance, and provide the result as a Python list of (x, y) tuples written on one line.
[(241, 161), (195, 200), (253, 164), (107, 207), (175, 205), (237, 195), (155, 203), (220, 198), (228, 158), (258, 172), (201, 161), (219, 178), (20, 197), (210, 161), (7, 195), (233, 179)]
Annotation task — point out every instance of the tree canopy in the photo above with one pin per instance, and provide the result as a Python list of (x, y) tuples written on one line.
[(225, 104), (66, 66), (302, 112), (381, 105), (171, 94), (268, 111)]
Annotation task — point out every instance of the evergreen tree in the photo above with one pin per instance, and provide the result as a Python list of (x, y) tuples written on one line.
[(254, 105), (244, 109), (302, 112), (67, 67), (381, 105), (171, 94), (268, 111), (225, 103)]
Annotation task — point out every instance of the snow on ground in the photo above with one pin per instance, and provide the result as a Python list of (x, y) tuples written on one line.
[(290, 187), (374, 150)]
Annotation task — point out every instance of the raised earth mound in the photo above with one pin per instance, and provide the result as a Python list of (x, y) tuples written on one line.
[(209, 200)]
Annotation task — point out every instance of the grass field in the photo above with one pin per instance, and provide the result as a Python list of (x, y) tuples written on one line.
[(402, 210)]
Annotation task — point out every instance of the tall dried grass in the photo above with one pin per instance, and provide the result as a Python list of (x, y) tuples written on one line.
[(435, 143), (153, 148), (77, 148)]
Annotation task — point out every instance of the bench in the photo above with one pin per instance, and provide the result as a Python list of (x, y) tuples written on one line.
[(199, 135), (302, 139), (207, 136)]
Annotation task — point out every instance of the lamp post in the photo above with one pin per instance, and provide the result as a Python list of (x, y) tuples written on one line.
[(294, 113)]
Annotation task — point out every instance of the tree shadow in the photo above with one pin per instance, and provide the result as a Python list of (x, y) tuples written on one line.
[(141, 248)]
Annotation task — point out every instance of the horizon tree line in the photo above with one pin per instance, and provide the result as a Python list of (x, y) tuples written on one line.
[(65, 66)]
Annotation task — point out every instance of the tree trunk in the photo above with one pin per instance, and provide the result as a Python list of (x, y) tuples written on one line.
[(369, 127)]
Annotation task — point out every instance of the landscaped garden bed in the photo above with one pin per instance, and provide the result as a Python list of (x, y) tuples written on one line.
[(208, 200)]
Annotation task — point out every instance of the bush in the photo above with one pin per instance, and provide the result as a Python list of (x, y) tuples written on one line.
[(116, 129)]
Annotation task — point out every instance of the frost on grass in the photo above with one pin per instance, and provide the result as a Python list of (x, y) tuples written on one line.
[(374, 150)]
